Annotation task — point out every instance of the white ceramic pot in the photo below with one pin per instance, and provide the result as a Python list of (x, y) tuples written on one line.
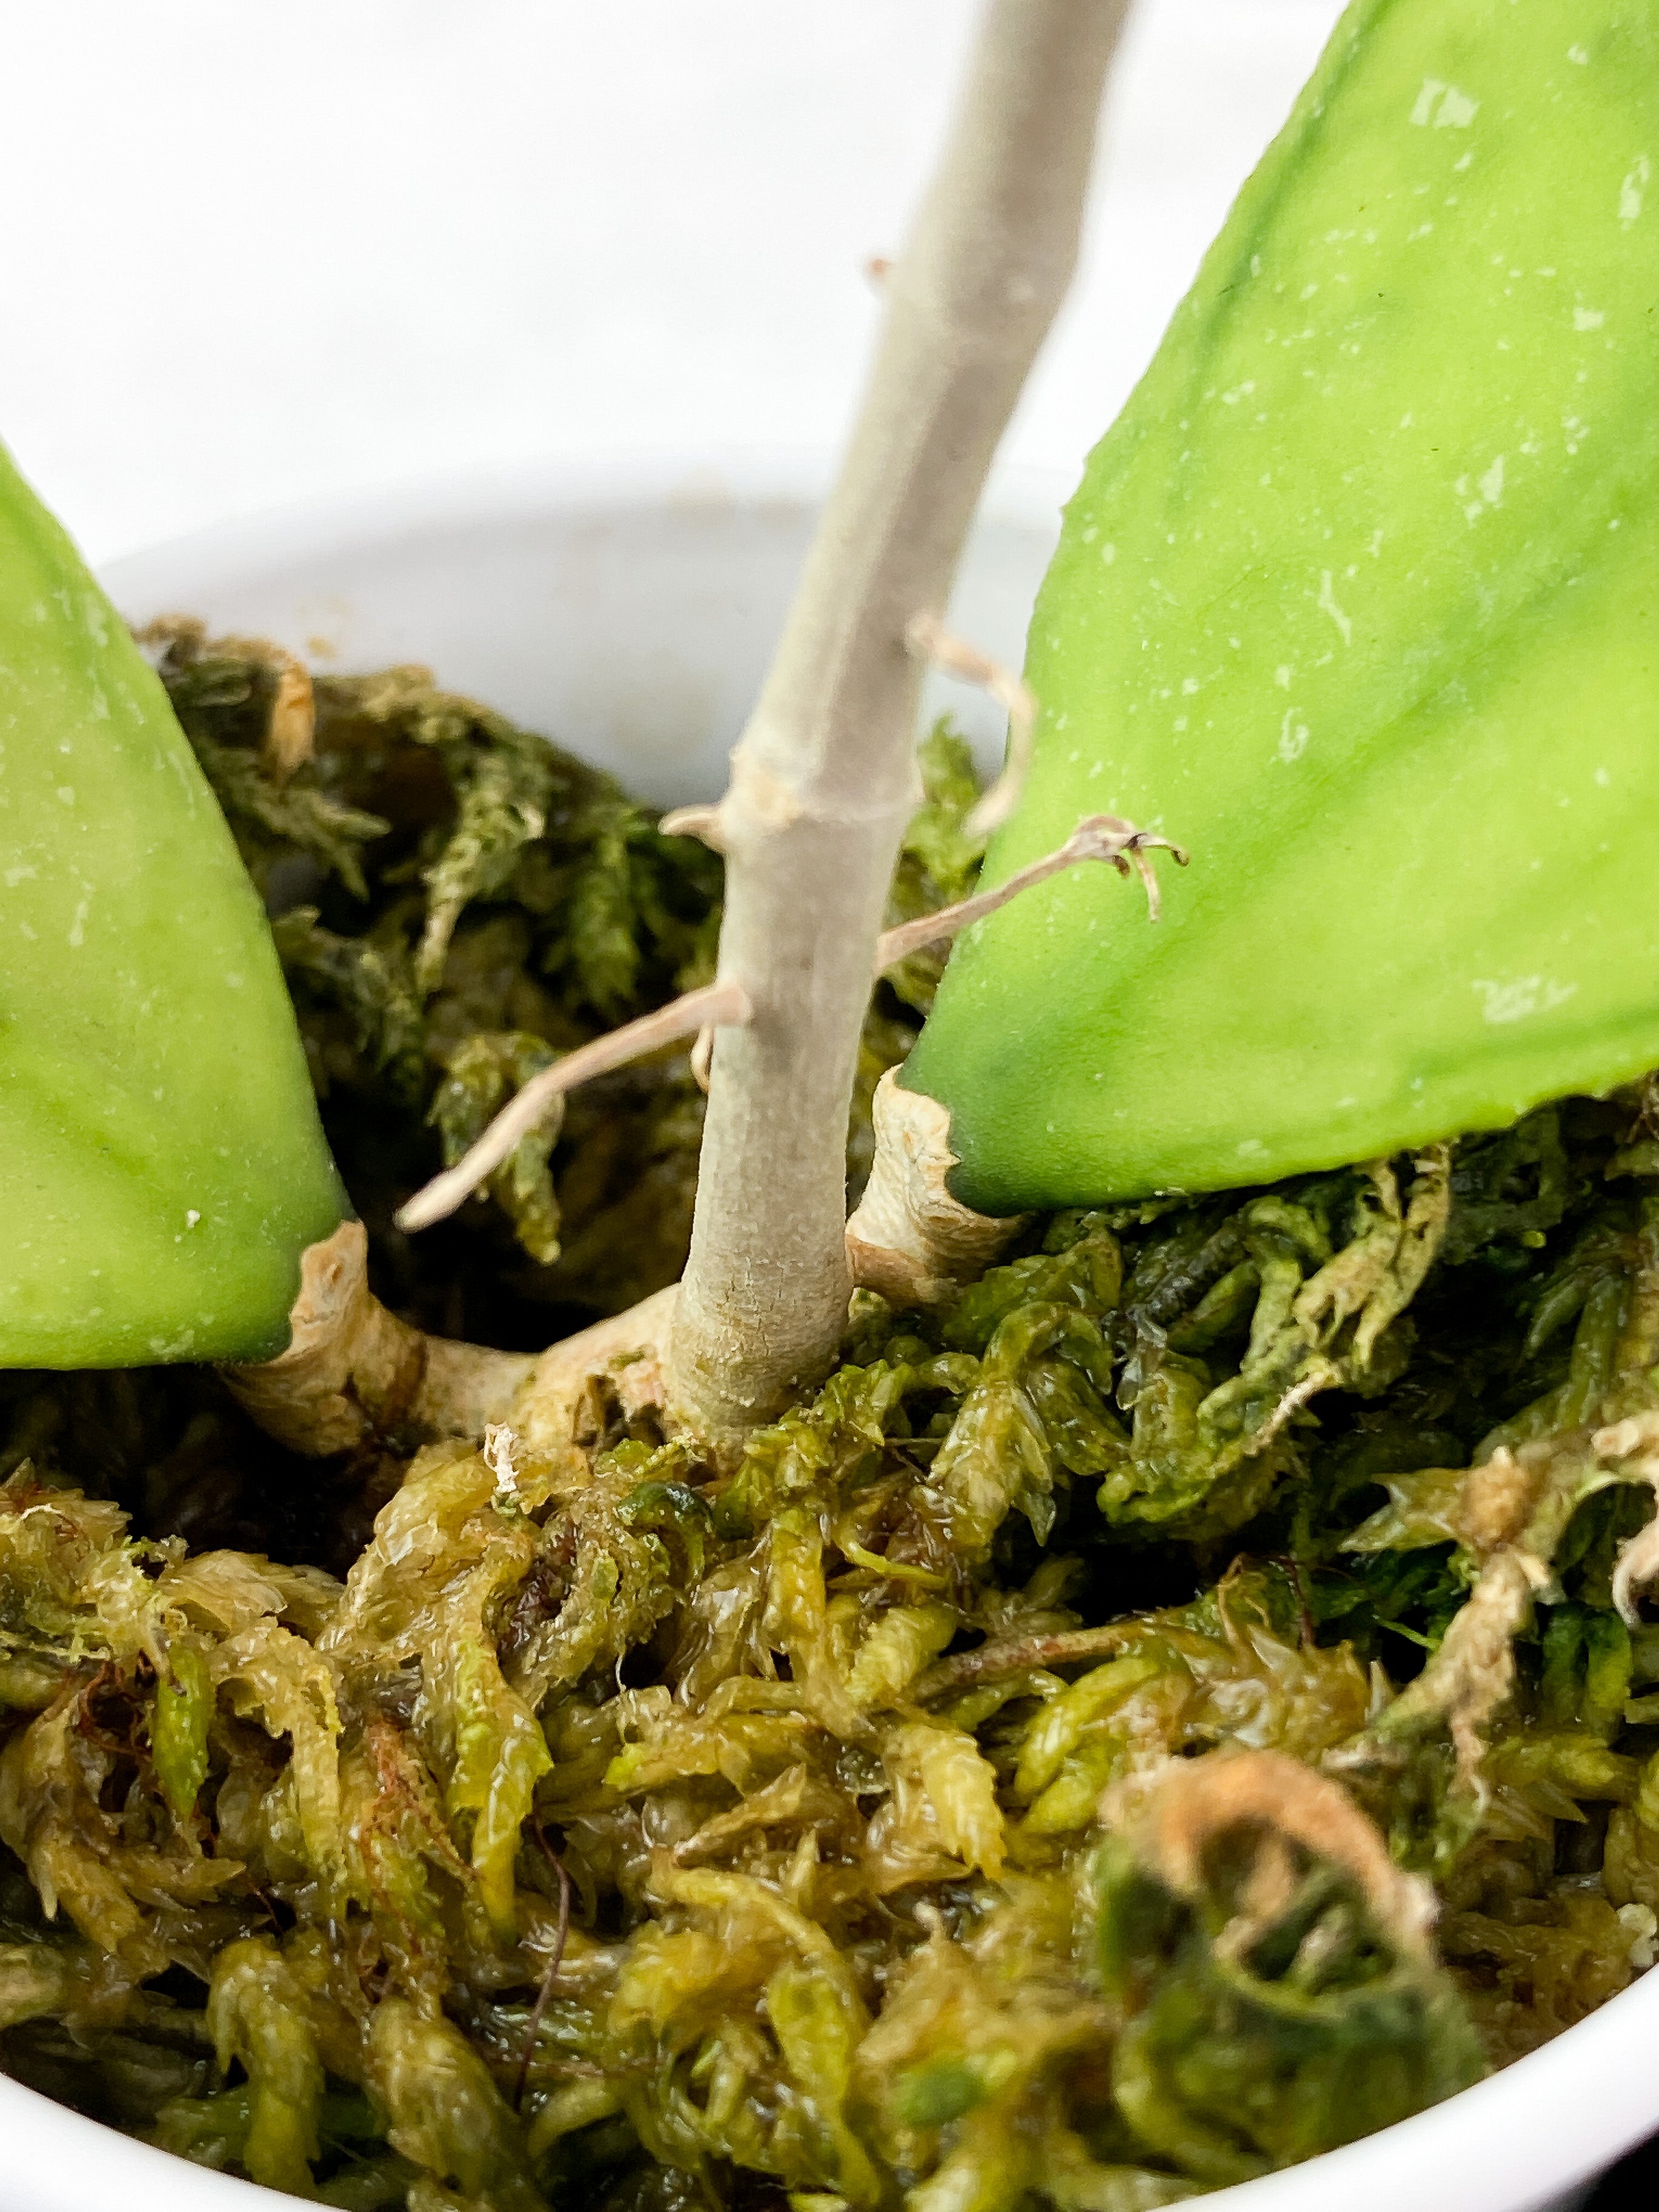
[(629, 608)]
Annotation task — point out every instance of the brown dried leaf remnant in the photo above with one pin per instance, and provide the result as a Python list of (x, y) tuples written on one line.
[(353, 1373)]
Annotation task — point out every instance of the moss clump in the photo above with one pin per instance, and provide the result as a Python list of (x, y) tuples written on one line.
[(602, 1823)]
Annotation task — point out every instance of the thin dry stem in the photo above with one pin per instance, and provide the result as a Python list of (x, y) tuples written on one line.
[(824, 778), (1097, 837), (927, 636), (715, 1006), (1018, 1653)]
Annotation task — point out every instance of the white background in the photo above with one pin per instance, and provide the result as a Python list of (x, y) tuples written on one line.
[(254, 250)]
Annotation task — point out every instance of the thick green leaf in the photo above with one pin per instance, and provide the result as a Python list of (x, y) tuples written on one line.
[(1357, 601), (164, 1163)]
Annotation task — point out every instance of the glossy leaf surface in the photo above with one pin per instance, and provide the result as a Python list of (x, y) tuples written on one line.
[(164, 1166), (1356, 600)]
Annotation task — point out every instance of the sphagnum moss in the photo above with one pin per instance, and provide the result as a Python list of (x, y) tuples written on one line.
[(857, 1759)]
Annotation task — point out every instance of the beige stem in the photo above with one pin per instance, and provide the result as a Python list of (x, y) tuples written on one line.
[(823, 778), (353, 1374)]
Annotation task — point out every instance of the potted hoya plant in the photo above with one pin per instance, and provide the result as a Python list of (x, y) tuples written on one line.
[(1121, 1667)]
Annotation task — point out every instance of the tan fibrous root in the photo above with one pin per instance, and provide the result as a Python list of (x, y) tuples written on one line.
[(355, 1375)]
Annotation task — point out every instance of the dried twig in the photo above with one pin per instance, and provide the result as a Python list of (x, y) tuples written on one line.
[(699, 1013), (1001, 1656), (1096, 837), (927, 637), (715, 1006)]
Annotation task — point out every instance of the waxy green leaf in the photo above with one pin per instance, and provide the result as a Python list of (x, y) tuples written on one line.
[(1357, 602), (165, 1166)]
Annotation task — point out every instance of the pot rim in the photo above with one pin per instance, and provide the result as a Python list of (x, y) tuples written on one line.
[(632, 478)]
